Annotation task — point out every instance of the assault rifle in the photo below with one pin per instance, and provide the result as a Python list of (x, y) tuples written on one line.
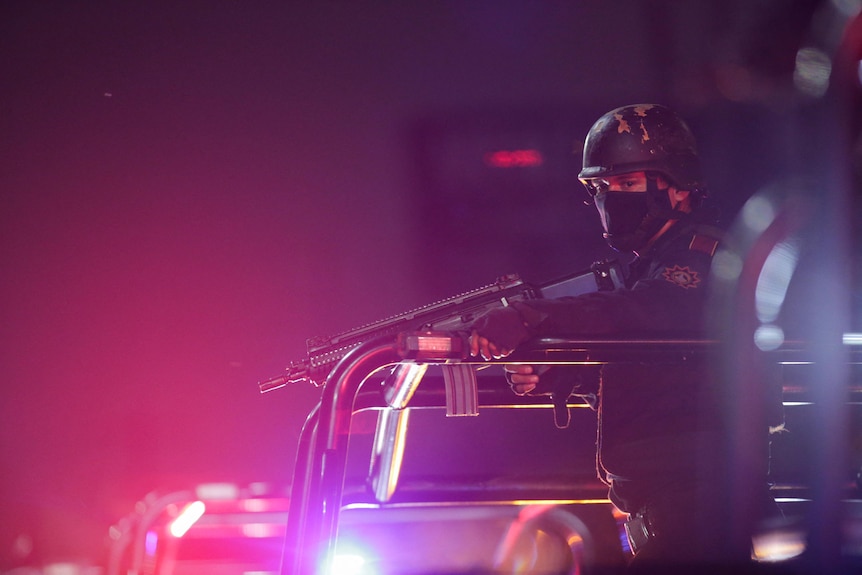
[(451, 314)]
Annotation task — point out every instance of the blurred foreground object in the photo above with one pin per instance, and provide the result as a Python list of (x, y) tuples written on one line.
[(213, 529)]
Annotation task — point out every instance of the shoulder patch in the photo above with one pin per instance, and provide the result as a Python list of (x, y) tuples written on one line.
[(683, 276), (702, 243)]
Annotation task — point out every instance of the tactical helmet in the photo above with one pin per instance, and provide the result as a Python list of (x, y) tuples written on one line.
[(643, 137)]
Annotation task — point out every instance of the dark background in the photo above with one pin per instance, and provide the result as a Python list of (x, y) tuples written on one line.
[(189, 190)]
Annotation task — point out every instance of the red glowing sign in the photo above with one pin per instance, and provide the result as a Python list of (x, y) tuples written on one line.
[(530, 158)]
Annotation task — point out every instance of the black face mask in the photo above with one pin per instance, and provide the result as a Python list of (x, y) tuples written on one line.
[(631, 219)]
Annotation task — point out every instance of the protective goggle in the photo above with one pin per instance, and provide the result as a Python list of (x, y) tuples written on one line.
[(596, 186)]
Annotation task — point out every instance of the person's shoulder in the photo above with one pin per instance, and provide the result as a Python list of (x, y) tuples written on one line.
[(699, 233), (705, 239)]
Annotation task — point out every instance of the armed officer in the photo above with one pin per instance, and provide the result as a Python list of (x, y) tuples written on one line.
[(659, 423)]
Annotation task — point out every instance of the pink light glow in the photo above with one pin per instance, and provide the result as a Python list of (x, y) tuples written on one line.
[(188, 517), (514, 159)]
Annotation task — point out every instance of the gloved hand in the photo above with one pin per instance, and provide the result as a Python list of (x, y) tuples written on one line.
[(525, 379), (558, 382), (499, 331)]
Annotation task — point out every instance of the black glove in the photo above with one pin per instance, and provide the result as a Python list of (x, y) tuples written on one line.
[(507, 327)]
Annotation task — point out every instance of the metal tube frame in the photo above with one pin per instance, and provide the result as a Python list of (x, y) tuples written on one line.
[(319, 474)]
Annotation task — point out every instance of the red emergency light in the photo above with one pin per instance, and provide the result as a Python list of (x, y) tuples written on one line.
[(529, 158)]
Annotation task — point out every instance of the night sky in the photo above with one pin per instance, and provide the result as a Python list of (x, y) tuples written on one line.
[(189, 190)]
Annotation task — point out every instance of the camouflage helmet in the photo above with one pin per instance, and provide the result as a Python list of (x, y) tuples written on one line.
[(643, 137)]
